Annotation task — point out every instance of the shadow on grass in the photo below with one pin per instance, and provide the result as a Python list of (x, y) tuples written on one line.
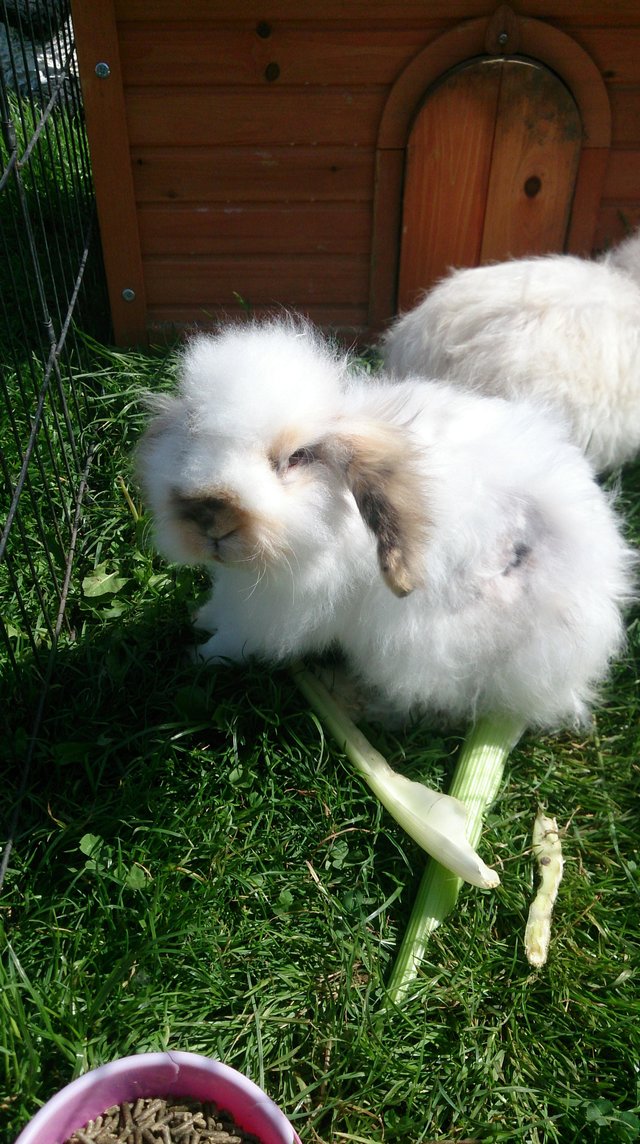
[(195, 869), (180, 856)]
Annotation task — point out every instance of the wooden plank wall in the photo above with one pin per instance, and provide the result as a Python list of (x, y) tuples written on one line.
[(251, 133)]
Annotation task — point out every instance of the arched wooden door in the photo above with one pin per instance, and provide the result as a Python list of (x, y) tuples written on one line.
[(491, 165)]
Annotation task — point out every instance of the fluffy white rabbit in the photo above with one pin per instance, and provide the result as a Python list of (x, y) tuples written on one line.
[(561, 330), (455, 547)]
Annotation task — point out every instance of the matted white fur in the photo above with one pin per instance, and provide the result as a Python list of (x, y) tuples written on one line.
[(273, 454), (561, 330)]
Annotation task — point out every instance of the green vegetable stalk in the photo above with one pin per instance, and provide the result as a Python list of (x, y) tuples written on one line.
[(476, 781), (446, 826), (437, 821)]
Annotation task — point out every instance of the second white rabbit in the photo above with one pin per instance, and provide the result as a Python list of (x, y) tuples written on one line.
[(560, 330)]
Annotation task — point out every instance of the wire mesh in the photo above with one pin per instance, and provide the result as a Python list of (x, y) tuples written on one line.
[(51, 287)]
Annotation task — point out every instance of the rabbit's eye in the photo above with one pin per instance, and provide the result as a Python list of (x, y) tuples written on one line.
[(283, 462), (300, 457)]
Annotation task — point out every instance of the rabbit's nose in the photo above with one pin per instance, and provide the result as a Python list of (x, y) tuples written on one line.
[(214, 516)]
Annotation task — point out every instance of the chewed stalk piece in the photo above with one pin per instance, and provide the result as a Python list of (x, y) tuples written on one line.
[(547, 850), (436, 821)]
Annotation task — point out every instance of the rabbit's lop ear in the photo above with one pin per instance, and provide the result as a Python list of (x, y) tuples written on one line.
[(379, 464)]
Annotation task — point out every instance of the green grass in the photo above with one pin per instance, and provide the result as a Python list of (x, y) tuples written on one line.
[(48, 207), (197, 868)]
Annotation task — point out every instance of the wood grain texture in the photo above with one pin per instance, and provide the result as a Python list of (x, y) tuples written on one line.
[(264, 152), (253, 174), (168, 323), (615, 223), (385, 240), (491, 167), (385, 12), (587, 200), (625, 115), (206, 282), (536, 40), (447, 176), (622, 179), (188, 53), (97, 41), (218, 117), (291, 229), (614, 51), (535, 156)]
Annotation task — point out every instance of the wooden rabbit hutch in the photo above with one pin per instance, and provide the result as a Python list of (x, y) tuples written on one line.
[(337, 157)]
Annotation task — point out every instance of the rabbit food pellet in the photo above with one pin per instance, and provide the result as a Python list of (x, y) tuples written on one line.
[(155, 1120)]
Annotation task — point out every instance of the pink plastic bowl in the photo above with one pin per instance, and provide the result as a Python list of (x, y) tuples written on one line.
[(159, 1074)]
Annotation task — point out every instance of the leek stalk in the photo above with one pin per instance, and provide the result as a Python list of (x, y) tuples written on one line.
[(448, 827), (476, 781), (438, 822)]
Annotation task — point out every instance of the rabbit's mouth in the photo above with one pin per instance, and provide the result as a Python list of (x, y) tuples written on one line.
[(217, 546), (212, 527)]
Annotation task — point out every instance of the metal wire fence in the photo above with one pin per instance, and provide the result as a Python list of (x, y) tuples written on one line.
[(51, 288)]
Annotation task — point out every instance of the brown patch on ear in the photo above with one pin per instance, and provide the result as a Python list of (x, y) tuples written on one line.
[(379, 463)]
